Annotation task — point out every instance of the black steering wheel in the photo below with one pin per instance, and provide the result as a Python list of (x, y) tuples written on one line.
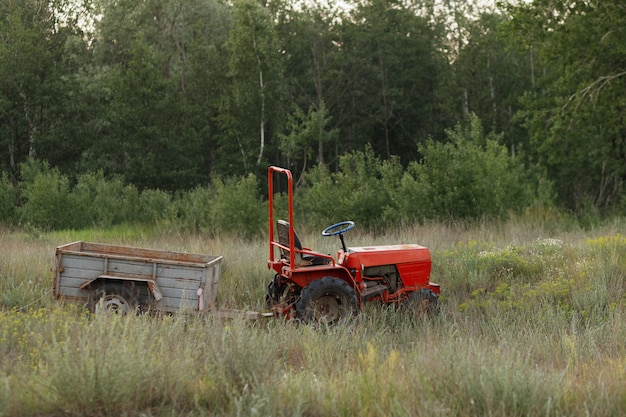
[(338, 228)]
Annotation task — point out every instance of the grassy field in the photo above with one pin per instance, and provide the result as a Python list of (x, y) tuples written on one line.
[(532, 323)]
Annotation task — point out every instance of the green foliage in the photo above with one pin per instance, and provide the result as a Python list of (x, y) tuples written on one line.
[(193, 208), (225, 206), (147, 137), (48, 201), (33, 70), (320, 75), (574, 112), (103, 202), (490, 74), (358, 192), (154, 206), (544, 275), (251, 102), (469, 177), (393, 67), (8, 200), (169, 94), (317, 200), (236, 207), (307, 133), (51, 202)]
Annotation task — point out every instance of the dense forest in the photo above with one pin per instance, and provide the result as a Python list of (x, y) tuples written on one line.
[(444, 101)]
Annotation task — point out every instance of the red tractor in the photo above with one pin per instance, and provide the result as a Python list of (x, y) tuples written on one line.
[(314, 287)]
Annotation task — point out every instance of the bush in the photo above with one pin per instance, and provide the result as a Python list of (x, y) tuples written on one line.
[(156, 206), (193, 208), (105, 202), (471, 176), (236, 207), (8, 200), (226, 206), (48, 202), (315, 199), (360, 191)]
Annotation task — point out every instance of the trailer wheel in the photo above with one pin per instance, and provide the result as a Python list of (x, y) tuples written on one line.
[(423, 302), (327, 300), (114, 299)]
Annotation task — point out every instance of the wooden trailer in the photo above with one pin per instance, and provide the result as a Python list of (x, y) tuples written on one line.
[(123, 279)]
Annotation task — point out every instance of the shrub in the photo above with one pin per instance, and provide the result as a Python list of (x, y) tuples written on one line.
[(48, 202), (236, 206), (155, 206), (193, 209), (93, 201), (316, 198), (358, 192), (105, 202), (118, 202), (469, 177), (8, 200)]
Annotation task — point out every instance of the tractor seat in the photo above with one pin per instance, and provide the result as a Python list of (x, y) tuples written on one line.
[(301, 259)]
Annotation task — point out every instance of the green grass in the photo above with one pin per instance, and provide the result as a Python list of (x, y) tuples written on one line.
[(532, 323)]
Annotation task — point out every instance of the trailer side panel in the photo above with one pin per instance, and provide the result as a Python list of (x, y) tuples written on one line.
[(168, 281)]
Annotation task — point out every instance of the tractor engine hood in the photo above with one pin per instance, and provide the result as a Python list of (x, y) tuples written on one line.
[(358, 257), (411, 261)]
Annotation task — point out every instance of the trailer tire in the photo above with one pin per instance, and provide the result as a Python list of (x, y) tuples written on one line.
[(112, 298), (328, 300)]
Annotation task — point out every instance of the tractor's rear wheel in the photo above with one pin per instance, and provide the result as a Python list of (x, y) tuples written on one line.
[(423, 302), (328, 301)]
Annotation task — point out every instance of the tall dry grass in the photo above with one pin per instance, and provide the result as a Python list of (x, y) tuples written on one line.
[(532, 323)]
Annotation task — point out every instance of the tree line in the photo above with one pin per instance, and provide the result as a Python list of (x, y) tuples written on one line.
[(170, 96)]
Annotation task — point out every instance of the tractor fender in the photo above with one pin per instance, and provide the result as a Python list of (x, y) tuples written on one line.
[(150, 283), (304, 276)]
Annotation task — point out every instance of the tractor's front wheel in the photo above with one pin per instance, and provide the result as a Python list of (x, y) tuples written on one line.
[(327, 301), (423, 302)]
